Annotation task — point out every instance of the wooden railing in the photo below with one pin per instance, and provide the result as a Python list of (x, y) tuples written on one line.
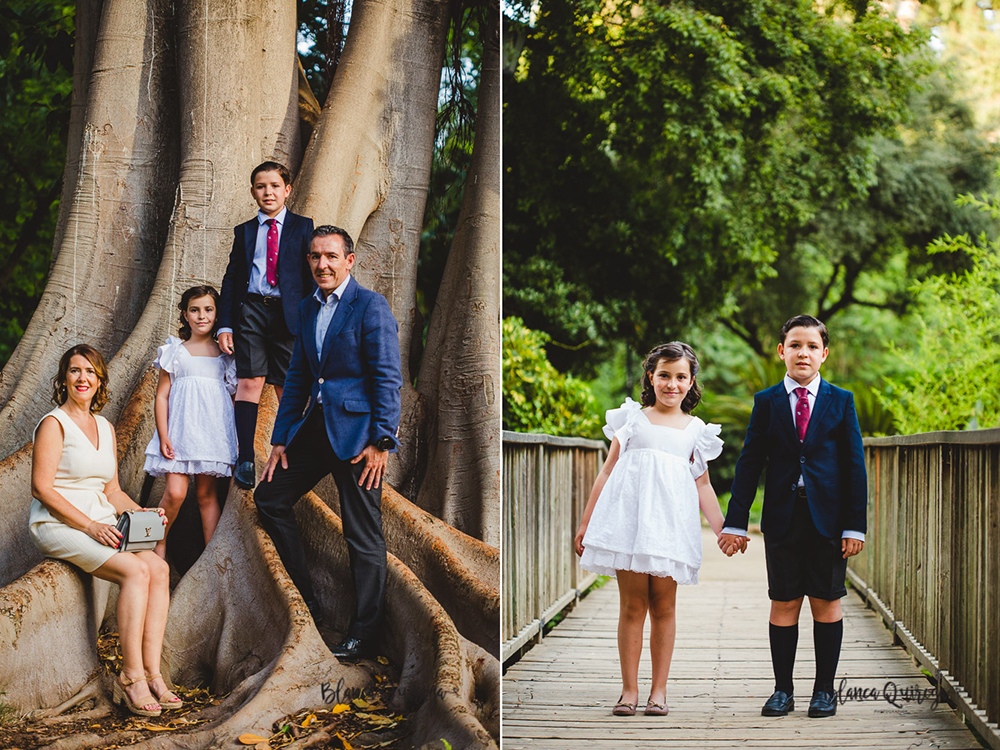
[(546, 482), (931, 563)]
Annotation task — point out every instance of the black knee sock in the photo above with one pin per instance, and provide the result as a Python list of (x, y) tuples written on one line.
[(246, 428), (827, 637), (784, 639)]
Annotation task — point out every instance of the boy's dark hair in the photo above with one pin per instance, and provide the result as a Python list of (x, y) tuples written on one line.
[(272, 166), (325, 230), (671, 352), (805, 321), (203, 290), (101, 396)]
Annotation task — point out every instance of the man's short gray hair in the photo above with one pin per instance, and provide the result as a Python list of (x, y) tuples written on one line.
[(325, 230)]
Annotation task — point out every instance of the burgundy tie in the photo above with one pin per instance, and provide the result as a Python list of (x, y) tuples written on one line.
[(802, 412), (272, 252)]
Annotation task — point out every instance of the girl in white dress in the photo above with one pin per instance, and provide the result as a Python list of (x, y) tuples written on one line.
[(641, 522), (195, 426)]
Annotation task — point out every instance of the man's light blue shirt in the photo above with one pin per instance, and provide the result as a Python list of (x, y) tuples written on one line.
[(327, 307)]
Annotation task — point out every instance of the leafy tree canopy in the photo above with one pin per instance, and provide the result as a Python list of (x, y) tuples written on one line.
[(660, 158)]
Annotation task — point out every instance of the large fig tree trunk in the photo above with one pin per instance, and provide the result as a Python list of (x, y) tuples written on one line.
[(174, 104)]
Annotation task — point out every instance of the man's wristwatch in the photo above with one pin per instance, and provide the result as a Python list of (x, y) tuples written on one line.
[(385, 443)]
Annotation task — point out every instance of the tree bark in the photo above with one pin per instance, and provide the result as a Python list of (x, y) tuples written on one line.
[(459, 381), (118, 213)]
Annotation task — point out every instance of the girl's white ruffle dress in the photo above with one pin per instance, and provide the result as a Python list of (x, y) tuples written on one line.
[(647, 518), (200, 419)]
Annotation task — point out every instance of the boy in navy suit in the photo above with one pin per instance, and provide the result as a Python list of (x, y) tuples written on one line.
[(814, 514), (266, 279)]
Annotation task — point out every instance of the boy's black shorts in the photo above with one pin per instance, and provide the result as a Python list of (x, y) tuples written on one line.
[(262, 343), (803, 562)]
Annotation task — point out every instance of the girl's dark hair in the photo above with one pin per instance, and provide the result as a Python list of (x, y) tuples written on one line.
[(59, 392), (204, 290), (671, 352)]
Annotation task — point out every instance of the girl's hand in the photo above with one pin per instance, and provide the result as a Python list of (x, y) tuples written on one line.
[(166, 448), (104, 533), (163, 514), (578, 540)]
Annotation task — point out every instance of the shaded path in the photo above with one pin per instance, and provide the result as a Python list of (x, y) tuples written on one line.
[(559, 695)]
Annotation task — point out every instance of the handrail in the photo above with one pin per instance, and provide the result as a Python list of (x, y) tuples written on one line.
[(931, 562), (546, 482)]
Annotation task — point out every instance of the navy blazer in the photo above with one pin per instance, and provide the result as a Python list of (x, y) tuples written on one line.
[(830, 460), (295, 280), (359, 373)]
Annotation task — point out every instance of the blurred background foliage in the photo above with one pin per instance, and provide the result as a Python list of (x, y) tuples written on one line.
[(704, 170)]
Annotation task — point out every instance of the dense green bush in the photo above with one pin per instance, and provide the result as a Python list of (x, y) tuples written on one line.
[(538, 398)]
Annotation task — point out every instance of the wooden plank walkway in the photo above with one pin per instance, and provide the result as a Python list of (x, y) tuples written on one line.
[(559, 695)]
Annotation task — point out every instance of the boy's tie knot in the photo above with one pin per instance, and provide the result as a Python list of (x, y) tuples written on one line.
[(802, 412)]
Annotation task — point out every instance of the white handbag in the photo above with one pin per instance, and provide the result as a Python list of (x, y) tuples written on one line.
[(140, 530)]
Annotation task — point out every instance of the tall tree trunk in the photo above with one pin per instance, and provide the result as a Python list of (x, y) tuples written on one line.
[(118, 215), (459, 381)]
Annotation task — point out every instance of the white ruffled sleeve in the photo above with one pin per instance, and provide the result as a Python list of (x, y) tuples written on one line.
[(620, 421), (166, 355), (707, 447), (230, 375)]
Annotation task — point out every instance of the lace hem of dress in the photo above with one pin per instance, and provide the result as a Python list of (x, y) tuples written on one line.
[(158, 466), (606, 563)]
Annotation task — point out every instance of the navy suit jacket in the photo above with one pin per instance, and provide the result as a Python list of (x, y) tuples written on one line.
[(295, 280), (830, 460), (359, 373)]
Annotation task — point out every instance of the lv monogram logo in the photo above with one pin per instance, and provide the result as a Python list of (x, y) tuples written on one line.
[(148, 530)]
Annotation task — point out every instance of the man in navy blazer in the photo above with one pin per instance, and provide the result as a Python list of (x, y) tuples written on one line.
[(339, 415), (266, 279), (814, 514)]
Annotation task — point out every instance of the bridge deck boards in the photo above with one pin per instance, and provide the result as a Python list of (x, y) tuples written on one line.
[(559, 695)]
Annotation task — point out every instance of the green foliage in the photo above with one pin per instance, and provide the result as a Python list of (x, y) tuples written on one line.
[(955, 366), (537, 398), (36, 64), (658, 157)]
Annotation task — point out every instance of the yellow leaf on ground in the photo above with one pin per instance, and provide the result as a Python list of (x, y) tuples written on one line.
[(340, 708), (381, 660), (360, 703), (251, 739), (346, 745), (309, 720), (156, 728)]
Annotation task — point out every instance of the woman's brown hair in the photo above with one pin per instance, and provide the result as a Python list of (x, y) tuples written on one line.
[(59, 392)]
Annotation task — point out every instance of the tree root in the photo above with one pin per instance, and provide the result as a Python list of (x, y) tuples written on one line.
[(94, 690)]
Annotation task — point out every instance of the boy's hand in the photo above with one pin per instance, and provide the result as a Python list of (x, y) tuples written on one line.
[(730, 543), (851, 547), (166, 448), (226, 342)]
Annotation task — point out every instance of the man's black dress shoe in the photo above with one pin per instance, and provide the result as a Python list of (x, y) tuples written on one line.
[(245, 475), (823, 703), (779, 704), (350, 649)]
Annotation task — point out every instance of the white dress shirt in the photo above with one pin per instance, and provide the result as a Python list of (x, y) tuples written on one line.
[(812, 391)]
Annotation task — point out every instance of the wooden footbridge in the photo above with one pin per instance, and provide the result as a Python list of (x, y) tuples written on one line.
[(920, 664)]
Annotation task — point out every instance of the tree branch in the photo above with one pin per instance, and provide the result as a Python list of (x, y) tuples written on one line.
[(750, 338)]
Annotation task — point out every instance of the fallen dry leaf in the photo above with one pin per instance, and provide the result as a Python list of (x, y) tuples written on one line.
[(251, 739), (308, 720), (360, 703), (340, 708)]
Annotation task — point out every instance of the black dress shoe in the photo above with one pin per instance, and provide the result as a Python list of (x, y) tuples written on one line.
[(823, 703), (351, 649), (779, 704), (245, 474)]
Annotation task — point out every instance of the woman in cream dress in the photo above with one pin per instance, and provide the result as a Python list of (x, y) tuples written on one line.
[(74, 482)]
